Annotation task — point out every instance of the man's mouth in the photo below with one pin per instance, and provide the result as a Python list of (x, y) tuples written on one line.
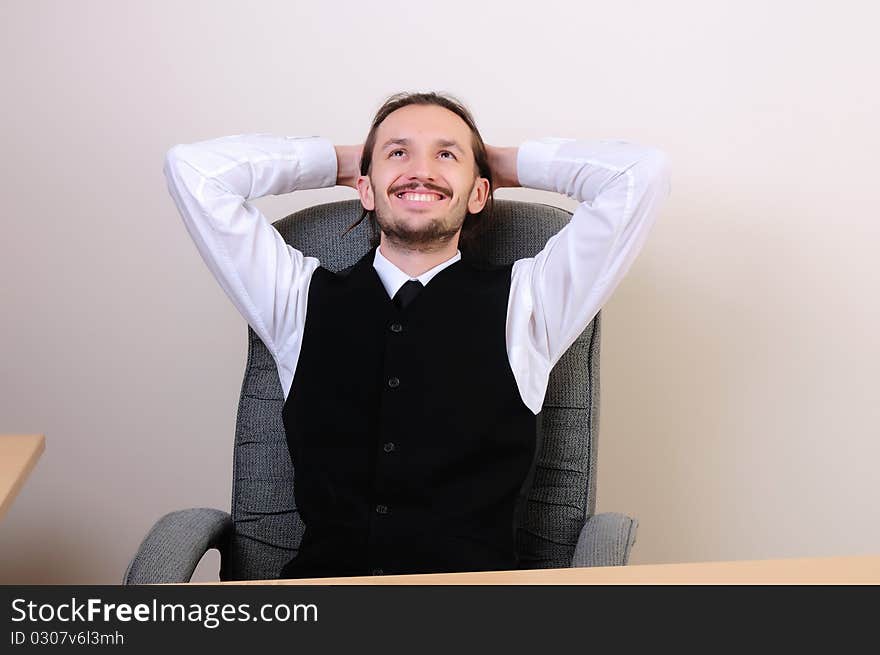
[(422, 196), (419, 198)]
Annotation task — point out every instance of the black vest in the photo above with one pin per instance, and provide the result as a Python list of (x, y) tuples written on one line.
[(411, 446)]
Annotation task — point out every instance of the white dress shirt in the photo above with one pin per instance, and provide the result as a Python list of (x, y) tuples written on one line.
[(553, 296), (393, 278)]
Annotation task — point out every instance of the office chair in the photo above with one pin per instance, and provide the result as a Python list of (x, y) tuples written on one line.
[(558, 527)]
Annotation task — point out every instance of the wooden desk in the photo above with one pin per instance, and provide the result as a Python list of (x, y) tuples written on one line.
[(18, 456), (819, 570)]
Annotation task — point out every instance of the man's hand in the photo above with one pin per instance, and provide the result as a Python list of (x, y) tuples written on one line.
[(502, 163), (348, 165)]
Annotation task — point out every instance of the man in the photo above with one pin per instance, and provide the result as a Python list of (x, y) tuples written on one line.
[(413, 380)]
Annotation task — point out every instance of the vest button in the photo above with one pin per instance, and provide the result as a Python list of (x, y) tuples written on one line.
[(396, 327), (381, 509), (388, 447), (377, 571), (393, 382)]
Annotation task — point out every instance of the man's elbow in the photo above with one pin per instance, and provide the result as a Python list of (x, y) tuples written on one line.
[(178, 161), (173, 157), (658, 171)]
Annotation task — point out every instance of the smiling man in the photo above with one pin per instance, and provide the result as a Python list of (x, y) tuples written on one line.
[(421, 178), (413, 381)]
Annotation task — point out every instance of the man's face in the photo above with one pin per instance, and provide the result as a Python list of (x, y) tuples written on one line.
[(423, 180)]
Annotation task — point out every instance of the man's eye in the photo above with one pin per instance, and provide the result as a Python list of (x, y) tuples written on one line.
[(391, 154), (446, 152)]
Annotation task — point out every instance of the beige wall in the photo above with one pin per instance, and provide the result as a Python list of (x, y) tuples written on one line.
[(739, 357)]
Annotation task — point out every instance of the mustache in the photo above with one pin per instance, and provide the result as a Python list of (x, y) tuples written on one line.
[(428, 186)]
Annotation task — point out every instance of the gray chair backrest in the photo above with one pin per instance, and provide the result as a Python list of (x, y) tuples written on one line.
[(268, 527)]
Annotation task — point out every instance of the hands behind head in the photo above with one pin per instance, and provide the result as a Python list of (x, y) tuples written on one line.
[(348, 164), (502, 163)]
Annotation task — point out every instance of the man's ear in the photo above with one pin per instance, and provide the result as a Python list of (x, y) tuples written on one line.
[(479, 195), (365, 190)]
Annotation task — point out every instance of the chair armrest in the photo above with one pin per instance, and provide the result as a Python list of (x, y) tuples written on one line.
[(176, 543), (605, 540)]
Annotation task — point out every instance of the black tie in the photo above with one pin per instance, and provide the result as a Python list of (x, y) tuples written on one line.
[(406, 293)]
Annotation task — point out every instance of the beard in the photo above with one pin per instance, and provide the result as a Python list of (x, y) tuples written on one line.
[(430, 235)]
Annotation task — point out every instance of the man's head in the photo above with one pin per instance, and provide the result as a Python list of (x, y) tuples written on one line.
[(425, 177)]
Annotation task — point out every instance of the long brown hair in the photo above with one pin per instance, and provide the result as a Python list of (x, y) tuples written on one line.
[(474, 224)]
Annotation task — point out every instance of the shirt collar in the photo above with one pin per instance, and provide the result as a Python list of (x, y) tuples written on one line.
[(393, 278)]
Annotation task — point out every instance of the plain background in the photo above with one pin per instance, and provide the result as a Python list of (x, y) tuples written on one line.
[(739, 415)]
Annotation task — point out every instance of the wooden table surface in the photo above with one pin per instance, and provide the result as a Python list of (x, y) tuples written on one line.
[(18, 456), (860, 569)]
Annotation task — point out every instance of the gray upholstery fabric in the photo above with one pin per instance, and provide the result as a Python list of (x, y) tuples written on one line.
[(176, 543), (606, 540), (267, 525)]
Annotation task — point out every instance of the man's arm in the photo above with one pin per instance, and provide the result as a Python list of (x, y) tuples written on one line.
[(502, 163), (555, 295), (348, 167), (211, 183)]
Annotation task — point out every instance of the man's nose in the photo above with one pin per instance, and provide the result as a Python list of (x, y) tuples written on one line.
[(421, 167)]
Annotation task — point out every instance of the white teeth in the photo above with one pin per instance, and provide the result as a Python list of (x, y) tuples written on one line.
[(419, 197)]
